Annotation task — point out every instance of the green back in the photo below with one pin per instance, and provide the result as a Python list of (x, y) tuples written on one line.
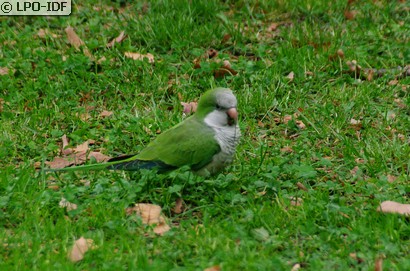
[(189, 143)]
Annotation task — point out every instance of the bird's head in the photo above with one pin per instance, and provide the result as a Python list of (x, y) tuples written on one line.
[(219, 107)]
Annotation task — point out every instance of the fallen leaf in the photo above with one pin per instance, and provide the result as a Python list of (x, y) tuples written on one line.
[(394, 207), (353, 66), (400, 103), (83, 116), (106, 113), (75, 156), (226, 38), (41, 33), (213, 268), (350, 14), (4, 70), (355, 257), (291, 76), (81, 246), (273, 26), (73, 38), (378, 264), (99, 157), (296, 201), (391, 115), (161, 228), (354, 170), (60, 162), (287, 118), (150, 215), (355, 124), (65, 150), (66, 204), (296, 267), (83, 147), (118, 39), (225, 70), (189, 107), (340, 53), (300, 124), (178, 208), (211, 53), (138, 56), (393, 82), (301, 186), (76, 42), (287, 149)]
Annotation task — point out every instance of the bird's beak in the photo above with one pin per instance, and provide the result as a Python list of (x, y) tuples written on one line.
[(233, 115)]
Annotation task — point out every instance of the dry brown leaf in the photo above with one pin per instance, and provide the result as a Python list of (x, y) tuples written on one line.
[(296, 267), (226, 38), (355, 257), (300, 124), (118, 39), (213, 268), (162, 227), (76, 42), (4, 70), (391, 178), (273, 26), (286, 149), (66, 204), (291, 76), (350, 14), (73, 38), (400, 103), (41, 33), (340, 53), (225, 70), (83, 116), (353, 66), (394, 207), (83, 147), (150, 214), (106, 113), (296, 201), (211, 53), (81, 246), (75, 156), (301, 186), (354, 170), (138, 56), (189, 107), (60, 162), (287, 118), (378, 264), (355, 124), (99, 157), (393, 82), (179, 205)]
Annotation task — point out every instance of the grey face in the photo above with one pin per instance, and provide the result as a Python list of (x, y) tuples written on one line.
[(225, 99)]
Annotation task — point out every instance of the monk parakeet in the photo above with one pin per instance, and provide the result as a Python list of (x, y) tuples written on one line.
[(205, 141)]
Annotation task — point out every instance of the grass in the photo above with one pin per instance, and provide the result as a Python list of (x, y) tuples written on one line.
[(243, 219)]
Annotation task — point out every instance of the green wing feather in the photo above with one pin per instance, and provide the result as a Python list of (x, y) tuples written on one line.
[(190, 143)]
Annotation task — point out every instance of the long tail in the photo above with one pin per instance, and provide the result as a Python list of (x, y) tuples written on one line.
[(128, 162)]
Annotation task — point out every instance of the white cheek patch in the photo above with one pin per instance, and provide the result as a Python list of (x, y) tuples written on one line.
[(216, 119)]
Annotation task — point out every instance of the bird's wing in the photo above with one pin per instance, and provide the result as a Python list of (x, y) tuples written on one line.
[(190, 143)]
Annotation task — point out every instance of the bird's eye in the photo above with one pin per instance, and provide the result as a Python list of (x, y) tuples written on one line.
[(218, 106)]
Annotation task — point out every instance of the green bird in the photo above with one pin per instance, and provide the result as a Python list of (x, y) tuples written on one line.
[(205, 141)]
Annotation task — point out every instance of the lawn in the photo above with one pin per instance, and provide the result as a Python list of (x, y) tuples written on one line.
[(324, 109)]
